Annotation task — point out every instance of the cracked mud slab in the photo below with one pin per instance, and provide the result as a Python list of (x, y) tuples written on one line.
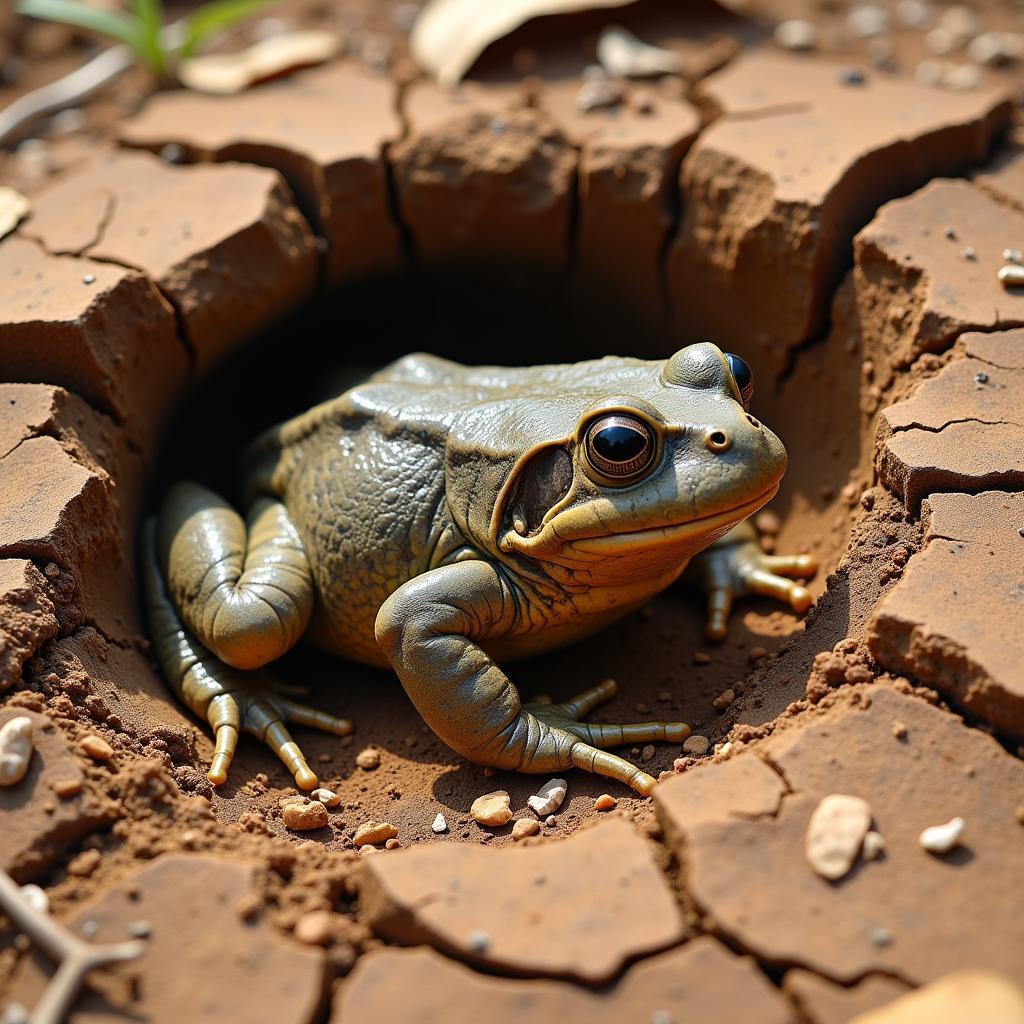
[(324, 130), (775, 188), (909, 914), (952, 619)]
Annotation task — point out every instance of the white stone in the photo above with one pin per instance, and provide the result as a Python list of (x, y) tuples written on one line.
[(942, 838), (548, 798), (963, 78), (796, 34), (36, 898), (868, 20), (624, 55), (914, 13), (835, 833), (1012, 275), (492, 809), (995, 48), (873, 846), (326, 796), (15, 750), (439, 825)]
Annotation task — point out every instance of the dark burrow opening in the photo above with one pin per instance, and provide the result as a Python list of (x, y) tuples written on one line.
[(665, 667)]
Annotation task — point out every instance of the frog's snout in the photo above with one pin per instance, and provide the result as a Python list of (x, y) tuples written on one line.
[(718, 440)]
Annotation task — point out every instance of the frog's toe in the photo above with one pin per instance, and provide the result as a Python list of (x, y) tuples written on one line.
[(761, 581), (583, 703), (612, 766), (280, 741), (313, 718), (641, 732)]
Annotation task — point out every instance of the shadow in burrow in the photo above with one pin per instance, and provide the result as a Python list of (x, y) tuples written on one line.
[(653, 654)]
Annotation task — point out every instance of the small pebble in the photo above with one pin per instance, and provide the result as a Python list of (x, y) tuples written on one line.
[(899, 730), (525, 827), (835, 833), (551, 821), (647, 753), (701, 658), (940, 41), (393, 844), (1011, 275), (97, 748), (868, 20), (950, 233), (316, 928), (942, 838), (914, 13), (492, 809), (15, 1013), (548, 798), (963, 78), (796, 34), (373, 833), (1013, 256), (326, 796), (995, 49), (881, 937), (726, 748), (969, 253), (981, 378), (36, 898), (605, 802), (598, 94), (439, 825), (696, 745), (15, 749), (368, 759), (757, 654), (724, 699), (622, 54), (141, 929), (300, 817), (961, 22), (84, 864), (172, 153), (89, 279), (479, 942), (874, 845), (852, 76)]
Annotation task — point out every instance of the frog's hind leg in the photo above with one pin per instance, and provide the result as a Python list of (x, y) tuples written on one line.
[(230, 699)]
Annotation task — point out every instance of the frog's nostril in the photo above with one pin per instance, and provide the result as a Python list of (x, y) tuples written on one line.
[(755, 423), (718, 441)]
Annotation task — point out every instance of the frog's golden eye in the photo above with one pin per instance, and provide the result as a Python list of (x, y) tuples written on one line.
[(743, 375), (619, 446)]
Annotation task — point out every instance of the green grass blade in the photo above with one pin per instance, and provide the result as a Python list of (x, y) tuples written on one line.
[(149, 17), (106, 23), (211, 17)]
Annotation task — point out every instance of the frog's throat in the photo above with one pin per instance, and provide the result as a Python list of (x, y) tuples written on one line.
[(548, 542)]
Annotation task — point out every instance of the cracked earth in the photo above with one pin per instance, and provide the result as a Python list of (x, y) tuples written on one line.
[(207, 266)]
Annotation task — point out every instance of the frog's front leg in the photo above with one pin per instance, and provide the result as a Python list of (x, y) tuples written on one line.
[(432, 630), (736, 565), (245, 593)]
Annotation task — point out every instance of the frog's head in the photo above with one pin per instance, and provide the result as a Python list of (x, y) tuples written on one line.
[(633, 470)]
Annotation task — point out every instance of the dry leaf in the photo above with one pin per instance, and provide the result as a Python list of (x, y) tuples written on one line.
[(13, 207), (234, 72), (449, 35)]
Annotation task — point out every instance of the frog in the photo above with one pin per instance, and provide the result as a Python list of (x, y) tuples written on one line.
[(445, 520)]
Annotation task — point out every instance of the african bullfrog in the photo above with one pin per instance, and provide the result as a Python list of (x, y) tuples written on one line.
[(444, 520)]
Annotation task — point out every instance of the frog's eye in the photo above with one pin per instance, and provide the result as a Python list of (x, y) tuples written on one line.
[(619, 446), (743, 376)]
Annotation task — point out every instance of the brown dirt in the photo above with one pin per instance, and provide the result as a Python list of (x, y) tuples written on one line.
[(514, 170)]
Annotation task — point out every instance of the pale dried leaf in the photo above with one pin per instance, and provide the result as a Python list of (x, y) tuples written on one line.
[(449, 35), (226, 73), (13, 208)]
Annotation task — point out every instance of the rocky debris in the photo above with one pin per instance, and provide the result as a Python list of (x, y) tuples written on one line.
[(942, 838), (945, 622), (774, 189), (524, 828), (439, 825), (368, 759), (702, 977), (38, 826), (326, 796), (339, 176), (27, 618), (835, 833), (492, 809), (302, 816), (84, 864), (624, 55), (96, 747), (317, 928), (874, 845), (223, 243), (605, 802), (373, 833), (15, 749), (905, 914), (548, 798), (964, 995), (543, 919), (480, 177), (961, 430), (101, 331), (823, 1002), (189, 904), (796, 34), (698, 746), (916, 290)]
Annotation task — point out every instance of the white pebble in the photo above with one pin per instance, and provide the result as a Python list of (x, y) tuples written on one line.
[(15, 750), (942, 838), (1011, 275), (36, 898), (796, 34), (941, 42), (914, 13), (835, 833), (961, 23), (697, 745), (995, 48), (874, 846), (964, 78), (931, 72), (622, 54), (1013, 256), (548, 798), (868, 20), (326, 796), (440, 825)]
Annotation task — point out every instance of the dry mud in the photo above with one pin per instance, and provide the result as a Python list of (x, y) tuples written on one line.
[(207, 266)]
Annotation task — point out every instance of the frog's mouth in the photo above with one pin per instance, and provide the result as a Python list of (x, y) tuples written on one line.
[(558, 542)]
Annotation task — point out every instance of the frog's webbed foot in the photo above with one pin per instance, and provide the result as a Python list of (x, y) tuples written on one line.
[(588, 751), (737, 566), (261, 706)]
